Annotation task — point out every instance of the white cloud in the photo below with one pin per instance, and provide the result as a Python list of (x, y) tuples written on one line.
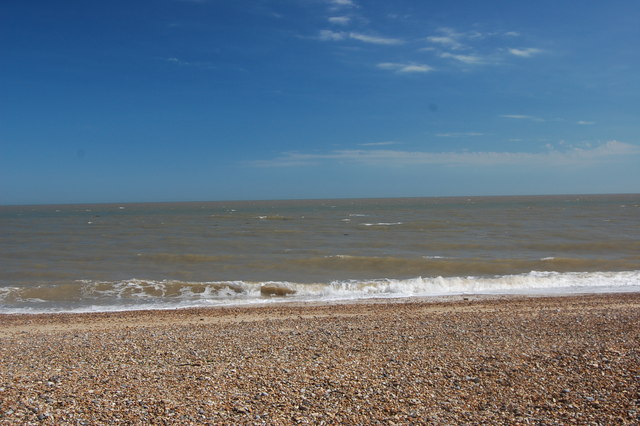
[(466, 47), (342, 2), (522, 117), (448, 38), (180, 62), (339, 20), (328, 35), (335, 5), (415, 68), (447, 41), (204, 65), (586, 123), (375, 40), (458, 134), (380, 157), (467, 59), (379, 143), (525, 53), (404, 68)]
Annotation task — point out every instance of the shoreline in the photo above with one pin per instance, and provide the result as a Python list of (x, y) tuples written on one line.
[(284, 300), (452, 300), (499, 359)]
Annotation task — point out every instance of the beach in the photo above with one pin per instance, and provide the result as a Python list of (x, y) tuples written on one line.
[(461, 359)]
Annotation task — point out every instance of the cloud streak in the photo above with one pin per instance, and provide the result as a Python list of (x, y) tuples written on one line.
[(470, 47), (379, 143), (375, 40), (525, 53), (396, 158), (446, 41), (342, 3), (328, 35), (458, 134), (467, 59), (523, 117), (405, 68), (339, 20), (448, 38)]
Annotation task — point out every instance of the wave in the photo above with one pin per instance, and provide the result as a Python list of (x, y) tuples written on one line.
[(133, 294)]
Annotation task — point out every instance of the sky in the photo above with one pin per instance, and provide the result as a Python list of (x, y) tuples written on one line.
[(195, 100)]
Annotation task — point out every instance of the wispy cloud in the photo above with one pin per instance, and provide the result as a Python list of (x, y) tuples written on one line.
[(448, 38), (525, 53), (447, 41), (177, 61), (339, 20), (328, 35), (337, 5), (446, 46), (380, 157), (405, 68), (342, 2), (467, 59), (458, 134), (379, 143), (375, 40), (472, 48), (194, 64), (522, 117), (586, 123)]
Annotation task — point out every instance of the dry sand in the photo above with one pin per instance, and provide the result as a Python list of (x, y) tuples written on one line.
[(546, 360)]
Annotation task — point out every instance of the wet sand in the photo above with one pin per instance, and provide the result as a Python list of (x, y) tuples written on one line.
[(501, 360)]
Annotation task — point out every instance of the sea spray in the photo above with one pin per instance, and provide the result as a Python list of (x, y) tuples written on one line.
[(148, 294)]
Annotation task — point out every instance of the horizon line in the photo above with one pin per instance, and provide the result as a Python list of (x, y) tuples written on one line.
[(533, 195)]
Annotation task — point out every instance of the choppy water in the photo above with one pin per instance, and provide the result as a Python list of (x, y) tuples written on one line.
[(132, 256)]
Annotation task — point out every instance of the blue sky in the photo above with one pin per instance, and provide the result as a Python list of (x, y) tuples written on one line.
[(176, 100)]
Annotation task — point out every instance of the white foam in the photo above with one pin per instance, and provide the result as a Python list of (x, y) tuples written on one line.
[(135, 294)]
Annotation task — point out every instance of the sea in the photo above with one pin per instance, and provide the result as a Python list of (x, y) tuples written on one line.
[(115, 257)]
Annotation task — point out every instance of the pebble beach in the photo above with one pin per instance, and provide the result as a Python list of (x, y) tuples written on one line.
[(494, 360)]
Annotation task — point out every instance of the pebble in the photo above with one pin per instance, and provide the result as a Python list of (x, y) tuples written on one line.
[(493, 361)]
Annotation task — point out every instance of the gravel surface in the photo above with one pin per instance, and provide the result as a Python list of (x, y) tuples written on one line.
[(544, 360)]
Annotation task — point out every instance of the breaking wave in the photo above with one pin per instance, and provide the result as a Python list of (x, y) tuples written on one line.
[(134, 294)]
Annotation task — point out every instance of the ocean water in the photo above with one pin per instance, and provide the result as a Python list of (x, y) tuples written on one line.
[(72, 258)]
